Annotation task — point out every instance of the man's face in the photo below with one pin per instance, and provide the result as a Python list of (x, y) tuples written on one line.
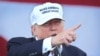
[(50, 28)]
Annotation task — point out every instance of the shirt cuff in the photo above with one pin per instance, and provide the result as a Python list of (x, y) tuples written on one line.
[(47, 45)]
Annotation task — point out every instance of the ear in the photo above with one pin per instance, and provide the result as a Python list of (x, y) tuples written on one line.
[(33, 30)]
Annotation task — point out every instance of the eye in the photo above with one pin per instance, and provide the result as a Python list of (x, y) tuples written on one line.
[(46, 25)]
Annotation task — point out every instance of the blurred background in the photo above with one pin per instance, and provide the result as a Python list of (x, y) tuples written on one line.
[(15, 21)]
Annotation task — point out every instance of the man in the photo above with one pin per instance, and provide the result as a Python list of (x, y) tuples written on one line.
[(47, 25)]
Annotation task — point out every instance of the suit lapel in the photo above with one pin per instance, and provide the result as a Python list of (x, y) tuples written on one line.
[(64, 51)]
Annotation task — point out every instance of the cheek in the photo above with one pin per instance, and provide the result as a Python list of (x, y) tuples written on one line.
[(44, 32), (60, 28)]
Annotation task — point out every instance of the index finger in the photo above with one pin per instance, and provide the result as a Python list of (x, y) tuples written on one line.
[(75, 27)]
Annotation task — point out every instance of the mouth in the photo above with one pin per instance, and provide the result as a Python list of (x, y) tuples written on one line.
[(53, 34)]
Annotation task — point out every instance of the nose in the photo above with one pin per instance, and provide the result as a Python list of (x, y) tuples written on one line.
[(53, 27)]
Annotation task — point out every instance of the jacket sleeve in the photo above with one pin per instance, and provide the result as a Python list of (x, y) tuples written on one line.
[(22, 47)]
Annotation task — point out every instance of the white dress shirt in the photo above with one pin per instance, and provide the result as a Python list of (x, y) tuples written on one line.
[(47, 46)]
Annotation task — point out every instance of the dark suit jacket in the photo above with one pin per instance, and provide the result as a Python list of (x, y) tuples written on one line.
[(21, 46)]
